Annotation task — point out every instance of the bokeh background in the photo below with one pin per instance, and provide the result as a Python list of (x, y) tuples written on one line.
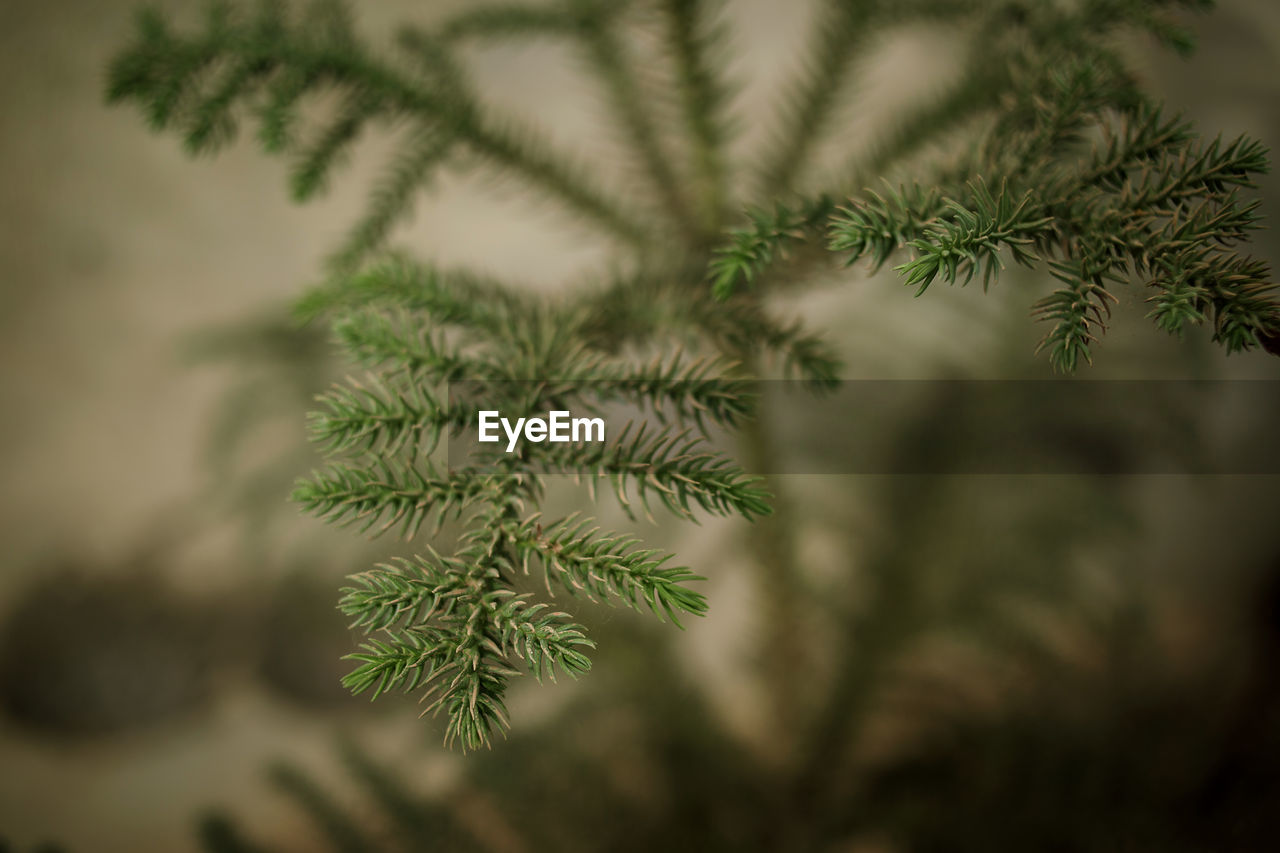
[(167, 629)]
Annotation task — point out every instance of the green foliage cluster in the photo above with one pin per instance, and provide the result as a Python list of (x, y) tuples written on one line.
[(1042, 81), (457, 622), (1077, 170)]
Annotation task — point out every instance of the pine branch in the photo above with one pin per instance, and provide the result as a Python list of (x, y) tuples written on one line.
[(505, 21), (449, 626), (685, 391), (878, 225), (460, 656), (392, 198), (452, 298), (1150, 200), (587, 562), (375, 340), (1051, 106), (381, 420), (404, 592), (753, 249), (472, 700), (805, 112), (388, 493), (678, 467), (454, 626), (695, 42), (316, 161), (1076, 311), (544, 639), (608, 56), (405, 660), (969, 239), (166, 73), (643, 309)]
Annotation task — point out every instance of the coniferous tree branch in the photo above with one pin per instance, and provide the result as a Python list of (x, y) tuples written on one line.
[(167, 73), (977, 90), (840, 33), (843, 32), (1148, 201), (382, 419), (399, 344), (585, 561), (671, 462), (673, 388), (405, 660), (755, 248), (392, 198), (450, 626), (457, 298), (638, 309), (389, 493), (404, 592), (694, 40), (595, 22), (544, 639), (506, 20), (967, 240)]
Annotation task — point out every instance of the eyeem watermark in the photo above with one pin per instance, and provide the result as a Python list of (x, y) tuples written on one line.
[(558, 427), (902, 427)]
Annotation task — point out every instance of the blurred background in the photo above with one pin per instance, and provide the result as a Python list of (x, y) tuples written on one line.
[(1066, 663)]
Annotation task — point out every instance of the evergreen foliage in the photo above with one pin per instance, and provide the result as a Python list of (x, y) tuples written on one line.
[(1078, 171), (1064, 163)]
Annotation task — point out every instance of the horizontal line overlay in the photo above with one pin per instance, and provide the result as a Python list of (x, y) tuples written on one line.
[(898, 427)]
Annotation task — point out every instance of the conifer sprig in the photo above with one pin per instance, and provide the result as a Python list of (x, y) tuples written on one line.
[(458, 626), (381, 419), (200, 83), (754, 248), (699, 391), (607, 55), (393, 197), (405, 591), (634, 310), (1149, 201), (449, 298), (389, 493), (585, 561), (671, 462), (696, 42), (966, 241), (395, 341), (511, 20), (806, 109)]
